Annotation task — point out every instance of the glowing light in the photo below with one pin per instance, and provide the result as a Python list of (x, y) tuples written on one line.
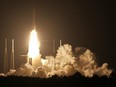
[(44, 62), (34, 45)]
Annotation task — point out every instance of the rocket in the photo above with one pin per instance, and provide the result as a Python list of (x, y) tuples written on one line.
[(33, 27)]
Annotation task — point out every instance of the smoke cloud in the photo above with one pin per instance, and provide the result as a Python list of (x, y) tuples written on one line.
[(65, 63), (85, 63)]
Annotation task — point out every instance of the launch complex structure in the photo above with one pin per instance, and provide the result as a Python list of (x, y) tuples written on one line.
[(6, 61)]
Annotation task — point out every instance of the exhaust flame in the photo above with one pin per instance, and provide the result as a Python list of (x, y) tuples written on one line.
[(34, 45)]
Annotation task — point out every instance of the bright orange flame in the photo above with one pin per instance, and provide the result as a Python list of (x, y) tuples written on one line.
[(34, 45)]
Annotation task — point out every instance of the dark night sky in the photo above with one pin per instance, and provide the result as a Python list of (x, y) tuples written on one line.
[(86, 23)]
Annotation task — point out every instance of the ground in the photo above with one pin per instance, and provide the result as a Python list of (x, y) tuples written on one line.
[(76, 80)]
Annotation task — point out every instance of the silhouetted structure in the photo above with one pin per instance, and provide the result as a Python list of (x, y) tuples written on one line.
[(12, 66), (5, 57)]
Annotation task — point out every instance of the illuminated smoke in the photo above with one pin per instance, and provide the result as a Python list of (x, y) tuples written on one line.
[(66, 63), (85, 64)]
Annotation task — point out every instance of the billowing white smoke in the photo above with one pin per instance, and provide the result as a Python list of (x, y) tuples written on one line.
[(85, 64), (23, 70), (65, 63)]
